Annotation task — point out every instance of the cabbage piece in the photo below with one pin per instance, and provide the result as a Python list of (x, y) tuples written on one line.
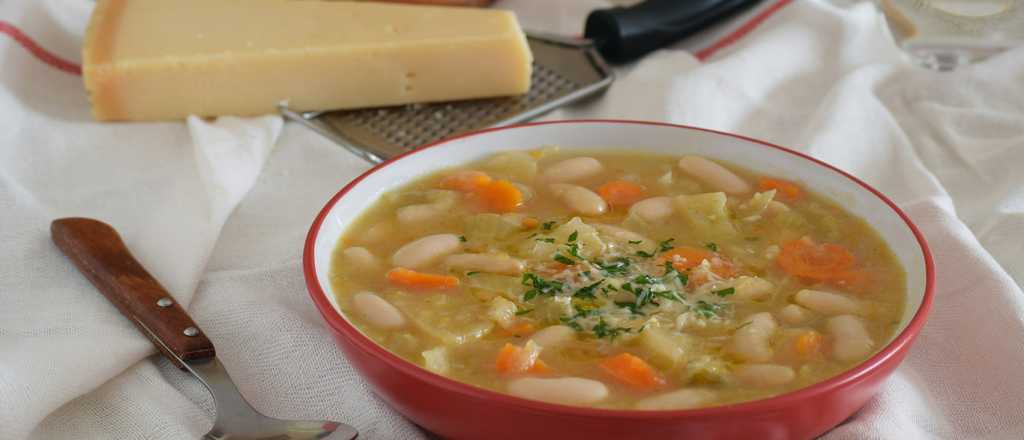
[(502, 312), (517, 165), (665, 349), (624, 240), (436, 359), (678, 184), (706, 214), (706, 370), (441, 196), (488, 228), (752, 209), (451, 319), (487, 286), (590, 244), (544, 247)]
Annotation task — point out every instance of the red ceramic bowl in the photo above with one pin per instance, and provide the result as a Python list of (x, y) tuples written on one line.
[(460, 411)]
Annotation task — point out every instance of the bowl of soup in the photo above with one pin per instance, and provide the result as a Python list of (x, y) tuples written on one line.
[(618, 279)]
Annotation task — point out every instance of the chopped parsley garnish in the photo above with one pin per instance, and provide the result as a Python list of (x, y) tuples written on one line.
[(631, 306), (602, 329), (574, 250), (539, 286), (547, 225), (571, 323), (725, 292), (583, 311), (643, 279), (618, 266), (665, 245), (546, 240), (671, 270), (573, 236), (564, 260), (669, 295), (588, 291), (635, 241), (644, 295), (644, 254), (523, 312), (707, 310), (742, 325), (711, 246), (462, 238), (469, 274)]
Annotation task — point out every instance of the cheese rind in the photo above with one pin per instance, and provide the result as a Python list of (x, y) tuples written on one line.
[(152, 60)]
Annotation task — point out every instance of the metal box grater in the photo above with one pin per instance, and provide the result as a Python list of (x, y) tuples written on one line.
[(564, 71)]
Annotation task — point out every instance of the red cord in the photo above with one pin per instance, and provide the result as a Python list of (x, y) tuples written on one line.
[(741, 31), (38, 51)]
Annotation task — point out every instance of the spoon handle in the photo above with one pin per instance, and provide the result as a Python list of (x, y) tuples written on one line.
[(98, 252)]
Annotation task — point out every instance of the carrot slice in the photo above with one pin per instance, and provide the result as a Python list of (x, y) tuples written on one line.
[(540, 367), (499, 196), (419, 280), (466, 181), (507, 359), (809, 344), (819, 262), (521, 328), (786, 190), (633, 371), (621, 193), (513, 359), (530, 223), (684, 257)]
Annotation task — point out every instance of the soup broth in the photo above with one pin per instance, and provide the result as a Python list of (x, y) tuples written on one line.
[(618, 279)]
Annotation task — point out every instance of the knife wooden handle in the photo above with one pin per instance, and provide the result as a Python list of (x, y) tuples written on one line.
[(98, 252)]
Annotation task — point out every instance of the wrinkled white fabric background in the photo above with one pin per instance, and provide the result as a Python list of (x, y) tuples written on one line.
[(818, 78)]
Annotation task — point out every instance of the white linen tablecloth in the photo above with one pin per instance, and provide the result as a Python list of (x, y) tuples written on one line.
[(218, 212)]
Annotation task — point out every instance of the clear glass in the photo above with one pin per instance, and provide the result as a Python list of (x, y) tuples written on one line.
[(945, 34)]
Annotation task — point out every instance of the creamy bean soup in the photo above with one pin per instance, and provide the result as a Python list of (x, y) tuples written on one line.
[(619, 280)]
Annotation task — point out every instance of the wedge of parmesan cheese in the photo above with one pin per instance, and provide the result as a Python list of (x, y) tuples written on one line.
[(152, 60)]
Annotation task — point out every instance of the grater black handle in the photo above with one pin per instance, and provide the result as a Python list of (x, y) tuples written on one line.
[(625, 34)]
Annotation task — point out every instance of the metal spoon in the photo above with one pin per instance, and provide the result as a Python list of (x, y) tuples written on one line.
[(98, 252)]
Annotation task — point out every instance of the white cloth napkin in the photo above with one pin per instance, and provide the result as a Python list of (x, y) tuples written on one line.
[(818, 78)]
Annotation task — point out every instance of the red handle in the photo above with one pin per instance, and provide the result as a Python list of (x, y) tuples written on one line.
[(98, 252)]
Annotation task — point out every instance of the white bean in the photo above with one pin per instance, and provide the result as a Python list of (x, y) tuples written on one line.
[(491, 263), (714, 175), (764, 375), (564, 390), (360, 258), (570, 170), (579, 199), (827, 303), (752, 288), (425, 251), (750, 343), (377, 311), (851, 340), (654, 209), (680, 399), (794, 314), (554, 336), (419, 214)]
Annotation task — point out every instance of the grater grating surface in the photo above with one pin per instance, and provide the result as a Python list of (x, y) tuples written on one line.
[(564, 71)]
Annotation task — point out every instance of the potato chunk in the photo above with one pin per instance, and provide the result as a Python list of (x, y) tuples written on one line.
[(706, 214)]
